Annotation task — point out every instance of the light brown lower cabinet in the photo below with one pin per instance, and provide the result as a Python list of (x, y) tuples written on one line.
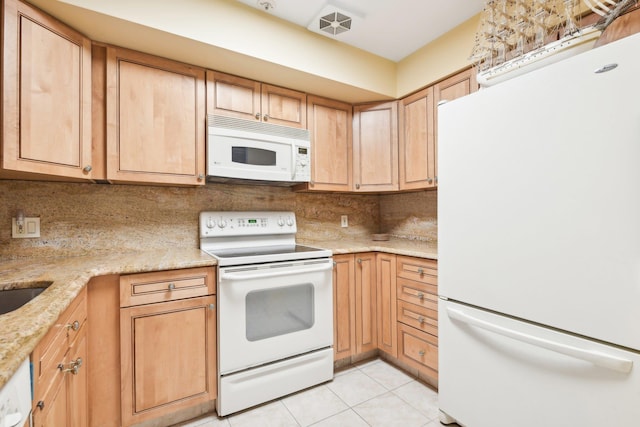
[(419, 350), (60, 370), (387, 303), (355, 311), (167, 349), (386, 288), (417, 315)]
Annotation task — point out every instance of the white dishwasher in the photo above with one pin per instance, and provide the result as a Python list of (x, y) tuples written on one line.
[(15, 398)]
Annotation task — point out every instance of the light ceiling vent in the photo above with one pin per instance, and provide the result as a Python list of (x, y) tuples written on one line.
[(335, 23), (332, 20)]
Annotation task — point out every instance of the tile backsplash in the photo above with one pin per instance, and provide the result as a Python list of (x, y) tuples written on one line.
[(80, 218)]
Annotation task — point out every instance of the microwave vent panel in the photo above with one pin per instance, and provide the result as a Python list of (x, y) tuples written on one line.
[(254, 126)]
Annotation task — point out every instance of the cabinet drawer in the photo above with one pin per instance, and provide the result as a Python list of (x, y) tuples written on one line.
[(422, 294), (418, 269), (419, 317), (418, 349), (50, 351), (161, 286)]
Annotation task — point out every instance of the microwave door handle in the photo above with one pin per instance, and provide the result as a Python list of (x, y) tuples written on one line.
[(293, 162)]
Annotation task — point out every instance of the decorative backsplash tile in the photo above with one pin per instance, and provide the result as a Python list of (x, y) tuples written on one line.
[(80, 218)]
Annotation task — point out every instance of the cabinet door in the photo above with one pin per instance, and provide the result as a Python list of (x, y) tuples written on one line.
[(155, 120), (344, 314), (53, 409), (417, 151), (281, 106), (46, 92), (168, 357), (366, 308), (330, 124), (233, 96), (386, 293), (375, 147), (449, 89)]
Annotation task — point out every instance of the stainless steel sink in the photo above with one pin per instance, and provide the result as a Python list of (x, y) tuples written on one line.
[(12, 299)]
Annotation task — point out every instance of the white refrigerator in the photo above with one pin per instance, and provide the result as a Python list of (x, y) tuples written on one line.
[(539, 247)]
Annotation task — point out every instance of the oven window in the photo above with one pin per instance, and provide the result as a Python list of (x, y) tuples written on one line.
[(279, 311), (253, 156)]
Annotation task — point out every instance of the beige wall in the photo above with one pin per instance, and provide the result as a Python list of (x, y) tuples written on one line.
[(440, 58)]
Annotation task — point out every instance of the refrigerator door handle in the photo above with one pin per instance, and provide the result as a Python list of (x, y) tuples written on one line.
[(596, 357)]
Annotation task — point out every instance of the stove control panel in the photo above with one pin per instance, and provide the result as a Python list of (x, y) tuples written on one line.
[(229, 223)]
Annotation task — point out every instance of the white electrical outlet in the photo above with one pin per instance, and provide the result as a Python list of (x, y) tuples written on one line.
[(29, 229), (344, 221)]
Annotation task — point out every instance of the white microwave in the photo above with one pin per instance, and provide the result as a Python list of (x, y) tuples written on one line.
[(244, 150)]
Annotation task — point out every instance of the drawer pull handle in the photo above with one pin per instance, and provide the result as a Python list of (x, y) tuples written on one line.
[(420, 295), (75, 325), (421, 353), (172, 286), (74, 366)]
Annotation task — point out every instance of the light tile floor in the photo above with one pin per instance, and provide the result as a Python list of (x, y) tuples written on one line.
[(373, 394)]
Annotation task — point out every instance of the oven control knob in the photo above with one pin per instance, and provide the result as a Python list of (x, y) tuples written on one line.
[(290, 222), (281, 222), (211, 223), (222, 223)]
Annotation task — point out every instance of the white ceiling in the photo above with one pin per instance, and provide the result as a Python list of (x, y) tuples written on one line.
[(392, 29)]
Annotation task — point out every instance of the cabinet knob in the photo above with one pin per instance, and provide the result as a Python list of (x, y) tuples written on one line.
[(421, 353), (212, 306), (257, 116), (266, 118), (87, 169), (420, 271), (421, 319), (359, 260), (436, 179), (40, 404), (420, 295), (200, 177), (335, 263), (429, 180), (75, 325), (357, 186), (171, 286)]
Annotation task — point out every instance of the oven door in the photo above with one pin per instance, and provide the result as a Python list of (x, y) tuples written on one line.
[(269, 312)]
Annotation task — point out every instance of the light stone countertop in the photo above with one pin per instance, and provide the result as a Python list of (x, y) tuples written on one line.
[(22, 329), (397, 246)]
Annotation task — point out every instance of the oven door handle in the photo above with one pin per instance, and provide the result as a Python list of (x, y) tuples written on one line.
[(259, 275)]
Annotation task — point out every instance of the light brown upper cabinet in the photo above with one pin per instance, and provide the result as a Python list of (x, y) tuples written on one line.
[(447, 90), (375, 147), (155, 116), (417, 153), (234, 96), (46, 97), (330, 125)]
